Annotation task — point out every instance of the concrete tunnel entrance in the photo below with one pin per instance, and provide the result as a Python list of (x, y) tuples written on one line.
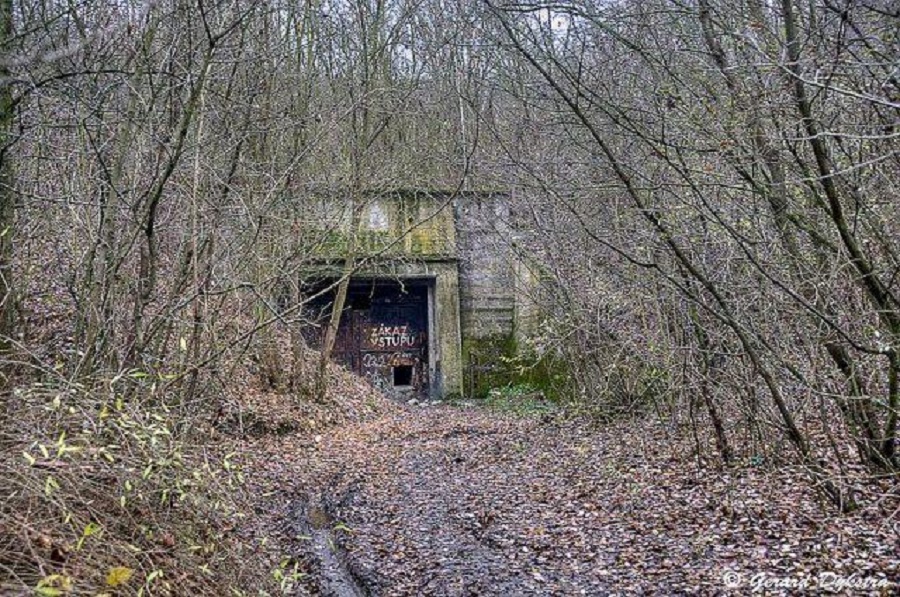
[(386, 333)]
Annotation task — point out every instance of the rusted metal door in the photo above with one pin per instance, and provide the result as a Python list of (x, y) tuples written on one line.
[(393, 345), (383, 337)]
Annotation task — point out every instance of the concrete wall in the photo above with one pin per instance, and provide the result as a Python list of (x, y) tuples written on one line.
[(401, 235), (486, 266), (461, 242), (403, 224)]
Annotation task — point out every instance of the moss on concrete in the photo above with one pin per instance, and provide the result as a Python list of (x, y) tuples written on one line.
[(496, 362), (415, 235), (435, 237)]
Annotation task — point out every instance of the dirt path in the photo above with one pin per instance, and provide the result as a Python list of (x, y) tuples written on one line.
[(453, 501)]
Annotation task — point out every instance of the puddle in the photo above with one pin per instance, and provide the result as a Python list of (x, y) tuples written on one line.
[(335, 577)]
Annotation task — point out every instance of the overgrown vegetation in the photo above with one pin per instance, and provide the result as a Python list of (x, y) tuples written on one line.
[(109, 494), (717, 222), (498, 362), (707, 187), (522, 399)]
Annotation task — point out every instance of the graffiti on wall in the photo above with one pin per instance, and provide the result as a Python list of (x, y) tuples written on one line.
[(384, 336), (377, 360)]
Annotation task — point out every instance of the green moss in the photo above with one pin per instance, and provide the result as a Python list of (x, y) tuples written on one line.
[(424, 241), (373, 241), (495, 363), (419, 242), (398, 212), (333, 243), (522, 399)]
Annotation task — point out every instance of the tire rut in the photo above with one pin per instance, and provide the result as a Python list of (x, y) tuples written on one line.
[(336, 578)]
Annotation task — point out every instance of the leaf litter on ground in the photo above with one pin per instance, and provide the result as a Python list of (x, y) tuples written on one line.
[(450, 500)]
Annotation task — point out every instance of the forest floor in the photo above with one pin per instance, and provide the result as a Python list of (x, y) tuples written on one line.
[(464, 500)]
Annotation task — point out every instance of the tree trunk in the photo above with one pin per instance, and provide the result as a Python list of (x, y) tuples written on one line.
[(340, 299), (7, 186)]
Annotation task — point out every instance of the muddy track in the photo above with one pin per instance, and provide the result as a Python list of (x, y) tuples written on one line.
[(313, 520), (451, 502)]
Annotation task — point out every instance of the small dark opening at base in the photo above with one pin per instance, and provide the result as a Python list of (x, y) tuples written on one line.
[(403, 375)]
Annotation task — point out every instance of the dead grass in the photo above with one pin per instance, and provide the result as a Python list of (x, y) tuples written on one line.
[(108, 495)]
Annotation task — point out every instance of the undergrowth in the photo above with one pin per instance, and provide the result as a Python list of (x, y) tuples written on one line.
[(519, 399), (108, 492)]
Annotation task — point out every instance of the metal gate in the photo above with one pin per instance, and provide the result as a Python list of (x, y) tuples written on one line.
[(383, 335)]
